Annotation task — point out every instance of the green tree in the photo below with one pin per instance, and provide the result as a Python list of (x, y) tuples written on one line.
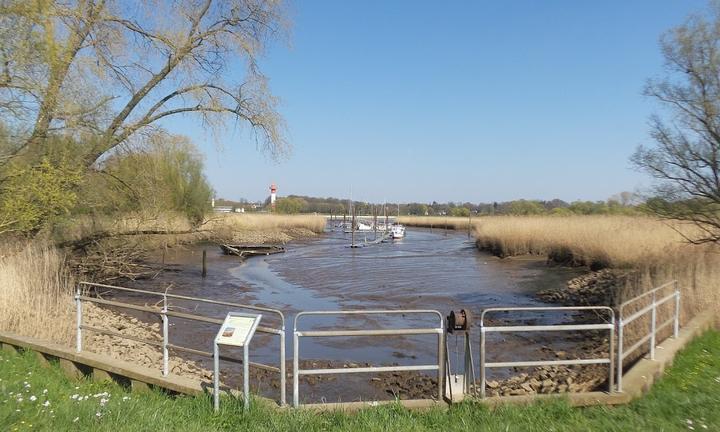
[(460, 212), (524, 207), (31, 196), (289, 205)]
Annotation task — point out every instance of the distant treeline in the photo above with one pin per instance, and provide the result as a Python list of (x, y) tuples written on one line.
[(623, 203)]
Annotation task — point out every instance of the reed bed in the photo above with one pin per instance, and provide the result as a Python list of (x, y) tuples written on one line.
[(36, 294), (648, 251), (264, 222), (441, 222)]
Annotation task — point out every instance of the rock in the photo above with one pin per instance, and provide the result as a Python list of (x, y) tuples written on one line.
[(493, 384)]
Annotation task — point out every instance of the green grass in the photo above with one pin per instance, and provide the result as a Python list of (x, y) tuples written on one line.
[(687, 398)]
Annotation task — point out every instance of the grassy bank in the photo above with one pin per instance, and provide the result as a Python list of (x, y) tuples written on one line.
[(36, 398)]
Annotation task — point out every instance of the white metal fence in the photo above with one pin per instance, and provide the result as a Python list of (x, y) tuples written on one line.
[(297, 334), (608, 324), (169, 311), (650, 334), (627, 313)]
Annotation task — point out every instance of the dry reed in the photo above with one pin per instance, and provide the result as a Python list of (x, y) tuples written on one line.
[(264, 222), (651, 252), (36, 294), (440, 222)]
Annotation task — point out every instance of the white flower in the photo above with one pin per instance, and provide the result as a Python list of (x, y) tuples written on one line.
[(47, 403), (688, 421), (76, 419), (103, 401), (97, 414), (45, 391), (126, 398), (33, 398), (74, 397)]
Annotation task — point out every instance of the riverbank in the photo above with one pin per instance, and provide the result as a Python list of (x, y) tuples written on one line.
[(37, 398), (37, 279)]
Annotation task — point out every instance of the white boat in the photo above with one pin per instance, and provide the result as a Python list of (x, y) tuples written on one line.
[(398, 231), (363, 226)]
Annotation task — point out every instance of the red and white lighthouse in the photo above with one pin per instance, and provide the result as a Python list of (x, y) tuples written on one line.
[(273, 195)]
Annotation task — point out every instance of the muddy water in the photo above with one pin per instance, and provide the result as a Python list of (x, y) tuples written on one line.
[(426, 270)]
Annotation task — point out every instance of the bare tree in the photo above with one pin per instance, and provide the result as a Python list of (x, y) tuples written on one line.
[(115, 68), (686, 159)]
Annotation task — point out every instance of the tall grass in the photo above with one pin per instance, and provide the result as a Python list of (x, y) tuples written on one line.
[(650, 251), (440, 222), (36, 294), (264, 222)]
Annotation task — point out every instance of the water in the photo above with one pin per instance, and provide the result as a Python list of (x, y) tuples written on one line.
[(425, 270)]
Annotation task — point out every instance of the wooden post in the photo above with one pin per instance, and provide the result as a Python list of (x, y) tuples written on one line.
[(204, 263), (469, 224), (445, 225)]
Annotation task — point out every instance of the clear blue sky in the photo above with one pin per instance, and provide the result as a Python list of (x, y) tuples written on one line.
[(455, 101)]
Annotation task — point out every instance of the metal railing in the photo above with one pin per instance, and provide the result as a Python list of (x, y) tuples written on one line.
[(297, 334), (650, 337), (610, 326), (168, 311)]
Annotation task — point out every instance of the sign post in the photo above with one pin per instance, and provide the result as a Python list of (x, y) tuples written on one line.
[(237, 330)]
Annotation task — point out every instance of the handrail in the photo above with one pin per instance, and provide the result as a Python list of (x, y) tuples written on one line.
[(165, 312), (440, 331), (654, 328), (182, 297), (610, 326)]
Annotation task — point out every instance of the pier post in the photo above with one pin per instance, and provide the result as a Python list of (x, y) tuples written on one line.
[(204, 263)]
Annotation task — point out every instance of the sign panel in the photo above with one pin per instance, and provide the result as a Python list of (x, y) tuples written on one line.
[(238, 329)]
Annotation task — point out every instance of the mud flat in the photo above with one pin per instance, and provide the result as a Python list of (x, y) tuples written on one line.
[(426, 270)]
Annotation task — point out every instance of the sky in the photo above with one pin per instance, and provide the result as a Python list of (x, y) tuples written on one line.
[(479, 101)]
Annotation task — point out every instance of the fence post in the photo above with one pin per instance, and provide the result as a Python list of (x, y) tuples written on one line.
[(163, 314), (283, 369), (482, 360), (676, 326), (296, 367), (441, 364), (78, 313), (611, 372), (620, 353), (652, 329)]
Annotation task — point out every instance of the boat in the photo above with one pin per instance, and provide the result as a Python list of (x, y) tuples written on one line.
[(245, 250), (397, 231)]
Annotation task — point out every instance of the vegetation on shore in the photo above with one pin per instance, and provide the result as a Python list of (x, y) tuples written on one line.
[(37, 398)]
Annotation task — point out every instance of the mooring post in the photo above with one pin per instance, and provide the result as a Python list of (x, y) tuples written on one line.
[(78, 313), (204, 263)]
